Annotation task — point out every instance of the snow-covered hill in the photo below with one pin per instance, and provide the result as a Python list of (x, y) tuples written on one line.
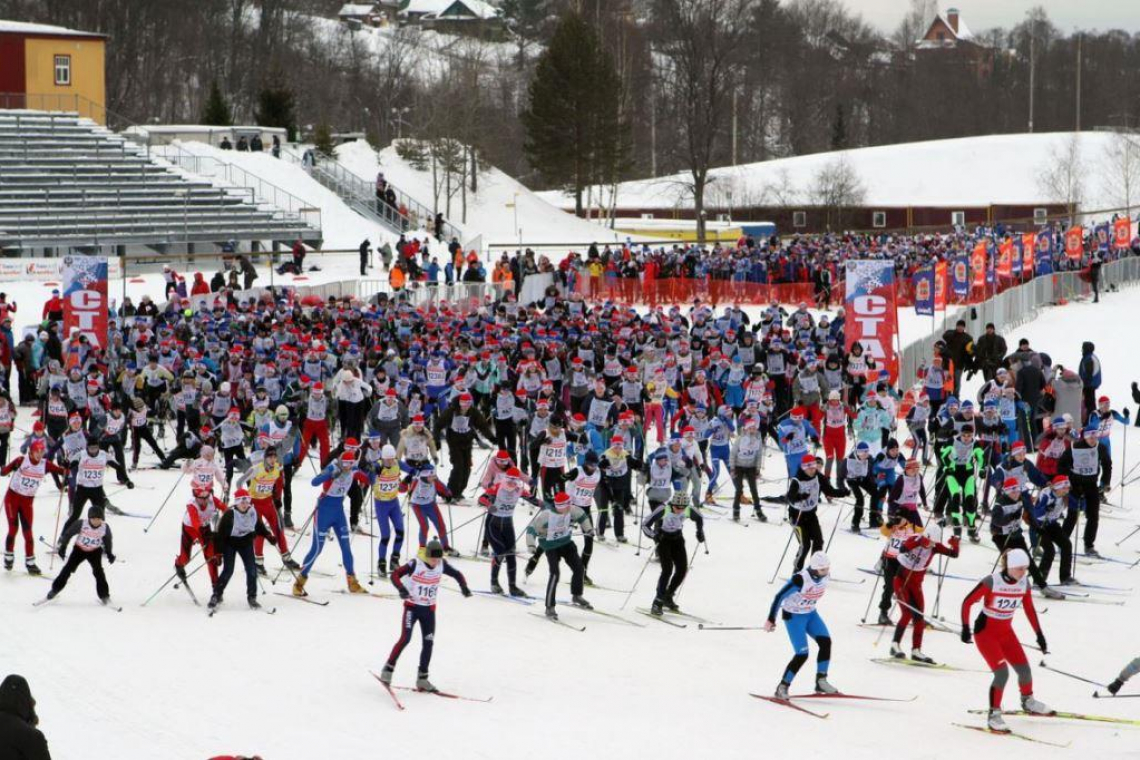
[(994, 169)]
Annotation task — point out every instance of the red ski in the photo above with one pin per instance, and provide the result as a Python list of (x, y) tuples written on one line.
[(444, 694), (850, 696), (388, 689), (786, 703)]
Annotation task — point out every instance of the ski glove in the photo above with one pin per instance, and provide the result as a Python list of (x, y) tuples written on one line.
[(1041, 643), (130, 485), (111, 558), (700, 536), (967, 637), (466, 591), (404, 594)]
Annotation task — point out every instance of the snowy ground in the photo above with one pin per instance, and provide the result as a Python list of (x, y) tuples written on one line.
[(165, 681)]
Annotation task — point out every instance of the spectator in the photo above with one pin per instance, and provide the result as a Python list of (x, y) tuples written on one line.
[(243, 144), (226, 144), (25, 369), (396, 277), (249, 272), (989, 352), (255, 145), (432, 271), (1089, 371), (386, 255), (53, 308), (1094, 275), (276, 149), (438, 227), (298, 256), (960, 350), (218, 281), (365, 256), (200, 286), (1067, 393), (19, 737)]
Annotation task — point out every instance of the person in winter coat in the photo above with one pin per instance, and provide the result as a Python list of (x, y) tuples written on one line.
[(1068, 391), (1029, 383), (200, 286), (959, 346), (19, 737), (989, 351), (1089, 370)]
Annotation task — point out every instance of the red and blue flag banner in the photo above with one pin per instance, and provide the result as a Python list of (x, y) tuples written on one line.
[(1103, 237), (1122, 233), (978, 264), (940, 286), (1075, 242), (872, 317), (1028, 252), (991, 262), (924, 292), (960, 276), (1044, 256), (1005, 259), (85, 298)]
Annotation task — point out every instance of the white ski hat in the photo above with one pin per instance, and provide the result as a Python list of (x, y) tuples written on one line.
[(388, 452), (819, 561), (1016, 558), (933, 532)]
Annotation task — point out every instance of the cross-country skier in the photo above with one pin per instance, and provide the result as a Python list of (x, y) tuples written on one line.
[(917, 553), (1005, 525), (425, 487), (27, 473), (202, 514), (804, 492), (88, 470), (265, 481), (1002, 594), (92, 541), (500, 500), (1087, 462), (665, 526), (385, 479), (334, 481), (234, 536), (551, 530), (797, 600), (1053, 517), (419, 592)]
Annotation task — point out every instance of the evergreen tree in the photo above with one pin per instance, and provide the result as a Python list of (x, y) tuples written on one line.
[(322, 139), (275, 108), (575, 135), (216, 112), (839, 129)]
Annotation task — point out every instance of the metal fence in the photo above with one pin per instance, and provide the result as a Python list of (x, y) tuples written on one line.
[(1015, 307)]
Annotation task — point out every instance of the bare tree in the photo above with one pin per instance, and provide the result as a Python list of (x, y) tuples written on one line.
[(915, 23), (1062, 177), (702, 41), (1120, 174), (836, 187)]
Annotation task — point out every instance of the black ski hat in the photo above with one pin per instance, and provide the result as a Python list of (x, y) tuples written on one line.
[(16, 699), (96, 512), (434, 549)]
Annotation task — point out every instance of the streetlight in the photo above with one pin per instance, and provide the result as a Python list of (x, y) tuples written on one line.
[(398, 118)]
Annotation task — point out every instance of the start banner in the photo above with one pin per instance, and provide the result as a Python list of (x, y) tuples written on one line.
[(85, 297), (872, 317), (46, 270)]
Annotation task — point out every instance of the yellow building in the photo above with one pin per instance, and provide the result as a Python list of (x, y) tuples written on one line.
[(50, 68)]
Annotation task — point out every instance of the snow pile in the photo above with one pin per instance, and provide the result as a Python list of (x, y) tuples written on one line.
[(969, 171), (492, 213), (342, 227)]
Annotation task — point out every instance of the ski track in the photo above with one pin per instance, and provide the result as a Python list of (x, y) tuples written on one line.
[(296, 684)]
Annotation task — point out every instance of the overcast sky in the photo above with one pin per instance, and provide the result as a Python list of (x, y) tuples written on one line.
[(980, 15)]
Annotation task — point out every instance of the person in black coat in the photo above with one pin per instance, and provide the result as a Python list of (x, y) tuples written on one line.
[(1029, 382), (959, 346), (989, 352), (19, 737)]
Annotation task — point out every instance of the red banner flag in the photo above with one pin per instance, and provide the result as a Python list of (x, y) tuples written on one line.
[(85, 298), (1028, 251), (1122, 233), (1005, 259), (872, 316), (978, 264), (1075, 242), (940, 279)]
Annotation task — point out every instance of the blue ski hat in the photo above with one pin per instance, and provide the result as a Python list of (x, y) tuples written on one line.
[(863, 446), (661, 454), (990, 404), (951, 400), (967, 404), (1091, 430)]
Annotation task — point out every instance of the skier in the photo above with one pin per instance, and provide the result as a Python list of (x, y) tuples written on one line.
[(551, 530), (334, 481), (744, 466), (1001, 594), (615, 491), (202, 514), (235, 535), (855, 473), (92, 541), (915, 557), (794, 434), (462, 423), (962, 460), (1053, 517), (87, 473), (664, 526), (836, 418), (424, 487), (1130, 670), (1005, 526), (797, 600), (803, 499), (385, 479), (1084, 461), (500, 500), (27, 473), (419, 593), (266, 481)]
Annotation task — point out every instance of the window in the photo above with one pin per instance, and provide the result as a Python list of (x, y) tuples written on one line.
[(647, 216), (1040, 215), (958, 218), (879, 219), (63, 70), (723, 218), (799, 219)]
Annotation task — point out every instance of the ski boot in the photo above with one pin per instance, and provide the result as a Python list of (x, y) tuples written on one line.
[(1115, 686), (884, 618), (657, 608), (517, 592), (290, 563), (451, 552), (9, 560), (587, 581), (761, 516), (580, 601), (180, 571), (299, 586), (354, 585), (31, 566), (918, 656), (897, 652), (1070, 582), (600, 538), (496, 588), (622, 540), (855, 528), (1034, 706), (822, 686), (974, 537), (782, 691), (259, 563), (386, 675), (875, 521), (670, 604), (1092, 553), (215, 600), (423, 684), (288, 520), (52, 594), (253, 603), (1050, 593), (382, 568), (550, 613), (996, 723)]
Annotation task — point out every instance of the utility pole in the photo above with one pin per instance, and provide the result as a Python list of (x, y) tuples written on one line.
[(652, 126), (1032, 73), (1079, 39), (734, 91)]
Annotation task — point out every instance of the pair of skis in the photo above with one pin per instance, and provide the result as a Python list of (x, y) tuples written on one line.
[(445, 695), (789, 703), (669, 617)]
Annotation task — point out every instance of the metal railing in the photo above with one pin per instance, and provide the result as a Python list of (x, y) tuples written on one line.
[(360, 194), (1015, 307)]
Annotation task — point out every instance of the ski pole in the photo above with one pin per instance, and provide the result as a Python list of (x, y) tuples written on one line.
[(164, 501), (692, 560), (297, 542), (169, 580), (1130, 535), (871, 601), (58, 509), (630, 594), (791, 534), (838, 519), (640, 514), (703, 627), (371, 510)]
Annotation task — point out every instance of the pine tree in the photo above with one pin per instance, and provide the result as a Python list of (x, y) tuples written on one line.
[(216, 112), (575, 135), (839, 129), (275, 108), (322, 139)]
